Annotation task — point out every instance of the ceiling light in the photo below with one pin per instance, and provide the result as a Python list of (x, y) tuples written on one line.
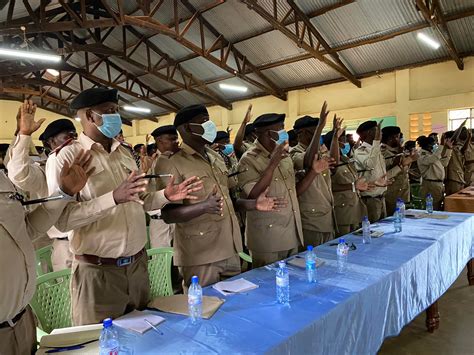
[(233, 87), (137, 109), (428, 40), (29, 55), (53, 72)]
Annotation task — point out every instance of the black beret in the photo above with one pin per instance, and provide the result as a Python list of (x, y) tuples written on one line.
[(168, 129), (249, 129), (327, 139), (268, 119), (221, 135), (94, 96), (56, 127), (367, 125), (305, 121), (187, 113), (390, 131), (292, 135)]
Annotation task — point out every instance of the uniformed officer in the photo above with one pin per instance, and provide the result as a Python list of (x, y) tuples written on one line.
[(161, 233), (397, 165), (316, 202), (225, 149), (469, 159), (370, 164), (275, 235), (207, 237), (432, 163), (455, 181), (17, 257), (110, 274), (346, 188)]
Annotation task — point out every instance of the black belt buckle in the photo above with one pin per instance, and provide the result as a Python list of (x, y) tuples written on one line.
[(124, 261)]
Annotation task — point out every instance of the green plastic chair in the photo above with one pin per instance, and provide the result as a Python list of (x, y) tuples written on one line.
[(159, 270), (52, 300), (416, 201), (245, 257), (43, 260)]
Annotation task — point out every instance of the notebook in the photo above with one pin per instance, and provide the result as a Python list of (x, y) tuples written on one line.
[(178, 304), (299, 261), (71, 336), (235, 286), (135, 321)]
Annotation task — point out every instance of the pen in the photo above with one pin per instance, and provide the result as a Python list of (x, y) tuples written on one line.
[(156, 176), (66, 348), (154, 328)]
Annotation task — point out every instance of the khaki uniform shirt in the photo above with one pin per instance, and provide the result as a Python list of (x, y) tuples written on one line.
[(432, 165), (348, 205), (401, 180), (455, 169), (316, 203), (370, 161), (17, 256), (469, 162), (271, 231), (210, 237), (99, 226)]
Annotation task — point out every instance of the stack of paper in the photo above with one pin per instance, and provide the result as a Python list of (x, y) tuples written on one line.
[(235, 286), (71, 336), (299, 261), (178, 304), (136, 321)]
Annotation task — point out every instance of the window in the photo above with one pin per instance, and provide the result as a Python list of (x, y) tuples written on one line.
[(456, 117)]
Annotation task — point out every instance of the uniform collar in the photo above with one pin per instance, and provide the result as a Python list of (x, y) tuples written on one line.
[(189, 150), (260, 146), (89, 144), (365, 144)]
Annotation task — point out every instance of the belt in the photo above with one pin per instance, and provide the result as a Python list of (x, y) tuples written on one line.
[(379, 197), (11, 323), (64, 238), (433, 180), (97, 260)]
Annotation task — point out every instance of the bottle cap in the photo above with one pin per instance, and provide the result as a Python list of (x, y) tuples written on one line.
[(281, 264), (195, 280), (309, 247), (366, 218), (428, 195), (397, 209), (342, 240), (107, 322)]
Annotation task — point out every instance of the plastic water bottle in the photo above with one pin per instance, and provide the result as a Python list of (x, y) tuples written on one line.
[(397, 223), (366, 237), (429, 203), (108, 341), (310, 264), (282, 284), (342, 253), (195, 300), (402, 208)]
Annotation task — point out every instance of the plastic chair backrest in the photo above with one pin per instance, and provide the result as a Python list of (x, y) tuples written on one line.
[(43, 260), (159, 270), (52, 300), (245, 257)]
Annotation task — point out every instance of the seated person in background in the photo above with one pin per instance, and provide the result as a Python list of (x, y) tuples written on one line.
[(455, 181), (17, 257), (397, 165), (275, 235), (315, 199), (346, 188), (432, 163)]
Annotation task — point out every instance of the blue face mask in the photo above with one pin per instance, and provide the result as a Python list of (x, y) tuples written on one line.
[(111, 124), (210, 131), (346, 149), (321, 140), (228, 149), (435, 148), (282, 136)]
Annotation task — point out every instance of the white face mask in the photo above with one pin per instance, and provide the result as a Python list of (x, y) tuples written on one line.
[(210, 131)]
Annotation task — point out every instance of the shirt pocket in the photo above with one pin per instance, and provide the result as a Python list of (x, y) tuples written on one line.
[(208, 183)]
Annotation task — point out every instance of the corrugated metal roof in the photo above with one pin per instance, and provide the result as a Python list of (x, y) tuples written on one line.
[(365, 17), (450, 6), (170, 46), (185, 98), (203, 69), (155, 82), (301, 73), (232, 95), (235, 20), (398, 51), (462, 32), (308, 6), (268, 48)]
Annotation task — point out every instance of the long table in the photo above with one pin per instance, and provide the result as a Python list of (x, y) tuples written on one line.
[(386, 285)]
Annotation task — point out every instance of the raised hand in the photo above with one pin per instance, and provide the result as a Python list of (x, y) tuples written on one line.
[(279, 152), (129, 190), (214, 203), (337, 126), (378, 131), (184, 190), (26, 123), (323, 116), (270, 204), (248, 114), (320, 165), (448, 142), (383, 181), (147, 139), (72, 179)]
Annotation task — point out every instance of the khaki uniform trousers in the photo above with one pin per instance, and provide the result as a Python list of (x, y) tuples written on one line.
[(262, 259), (346, 229), (61, 257), (316, 238), (21, 339), (453, 186), (103, 291), (376, 209), (209, 274), (436, 189)]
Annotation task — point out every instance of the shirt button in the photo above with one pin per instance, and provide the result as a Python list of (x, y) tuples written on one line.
[(294, 211), (345, 171), (343, 205), (324, 174), (276, 179), (289, 190), (201, 233), (312, 210), (270, 225)]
